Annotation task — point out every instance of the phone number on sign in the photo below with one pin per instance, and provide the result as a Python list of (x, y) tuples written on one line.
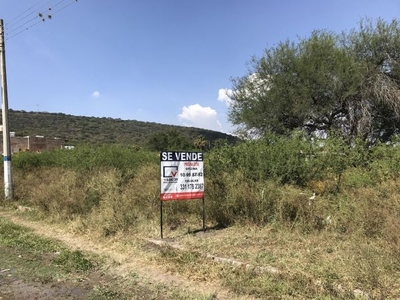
[(191, 186)]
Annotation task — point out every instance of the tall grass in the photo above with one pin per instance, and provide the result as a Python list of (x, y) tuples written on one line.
[(264, 183), (267, 181), (124, 158)]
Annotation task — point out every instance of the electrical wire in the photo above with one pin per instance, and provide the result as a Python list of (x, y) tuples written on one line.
[(20, 26), (21, 16), (64, 7), (27, 28), (17, 31), (33, 12)]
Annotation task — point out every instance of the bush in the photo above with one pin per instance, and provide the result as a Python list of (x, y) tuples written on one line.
[(116, 188), (285, 160), (124, 158)]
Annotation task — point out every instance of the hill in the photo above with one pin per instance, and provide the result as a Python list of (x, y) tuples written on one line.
[(95, 130)]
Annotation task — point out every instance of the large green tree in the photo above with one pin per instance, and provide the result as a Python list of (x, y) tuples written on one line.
[(345, 82)]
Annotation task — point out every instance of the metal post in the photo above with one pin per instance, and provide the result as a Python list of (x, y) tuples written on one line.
[(161, 218), (8, 189), (204, 216)]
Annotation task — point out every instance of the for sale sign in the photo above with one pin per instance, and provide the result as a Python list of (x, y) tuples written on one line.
[(182, 175)]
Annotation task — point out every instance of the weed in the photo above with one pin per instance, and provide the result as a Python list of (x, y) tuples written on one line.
[(13, 235), (345, 236), (73, 261), (105, 293)]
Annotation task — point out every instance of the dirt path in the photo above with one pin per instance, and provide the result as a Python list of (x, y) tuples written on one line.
[(122, 264)]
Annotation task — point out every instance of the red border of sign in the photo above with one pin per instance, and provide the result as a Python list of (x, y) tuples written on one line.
[(182, 196)]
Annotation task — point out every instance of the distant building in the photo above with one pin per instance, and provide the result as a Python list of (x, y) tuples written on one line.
[(32, 143)]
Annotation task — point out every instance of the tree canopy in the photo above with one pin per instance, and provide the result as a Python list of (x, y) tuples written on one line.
[(346, 82)]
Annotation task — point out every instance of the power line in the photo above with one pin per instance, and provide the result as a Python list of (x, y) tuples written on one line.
[(43, 17), (33, 10), (64, 7), (14, 20), (27, 28), (19, 27)]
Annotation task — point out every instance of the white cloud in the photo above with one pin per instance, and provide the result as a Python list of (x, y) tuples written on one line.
[(225, 95), (95, 94), (198, 116)]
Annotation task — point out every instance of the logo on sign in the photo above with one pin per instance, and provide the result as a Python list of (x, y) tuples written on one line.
[(170, 171)]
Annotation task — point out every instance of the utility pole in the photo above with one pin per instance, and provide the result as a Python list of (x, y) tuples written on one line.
[(8, 189)]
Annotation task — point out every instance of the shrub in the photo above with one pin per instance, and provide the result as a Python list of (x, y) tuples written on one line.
[(60, 193), (116, 188), (124, 158), (285, 160)]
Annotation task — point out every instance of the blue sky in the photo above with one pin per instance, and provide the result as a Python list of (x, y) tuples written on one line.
[(164, 61)]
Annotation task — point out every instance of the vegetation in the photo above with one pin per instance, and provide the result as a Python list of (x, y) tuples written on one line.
[(345, 82), (35, 267), (259, 191), (298, 216), (79, 130)]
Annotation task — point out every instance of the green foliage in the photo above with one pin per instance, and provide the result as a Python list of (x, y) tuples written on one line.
[(385, 161), (78, 130), (27, 161), (73, 261), (114, 189), (200, 143), (124, 158), (233, 198), (266, 184), (250, 181), (16, 236), (171, 140), (278, 158), (326, 82), (357, 178)]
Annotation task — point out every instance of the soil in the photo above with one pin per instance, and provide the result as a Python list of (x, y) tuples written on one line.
[(16, 289), (119, 265)]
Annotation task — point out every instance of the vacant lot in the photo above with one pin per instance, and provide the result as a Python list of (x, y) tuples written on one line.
[(45, 261), (38, 261)]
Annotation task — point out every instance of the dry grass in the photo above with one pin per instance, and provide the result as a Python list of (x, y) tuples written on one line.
[(326, 248), (324, 264)]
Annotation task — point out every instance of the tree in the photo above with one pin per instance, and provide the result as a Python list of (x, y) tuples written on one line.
[(168, 140), (200, 143), (376, 47), (347, 83)]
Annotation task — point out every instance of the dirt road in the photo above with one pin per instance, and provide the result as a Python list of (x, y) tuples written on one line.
[(117, 267)]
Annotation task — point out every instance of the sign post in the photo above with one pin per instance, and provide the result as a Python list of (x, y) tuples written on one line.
[(182, 178)]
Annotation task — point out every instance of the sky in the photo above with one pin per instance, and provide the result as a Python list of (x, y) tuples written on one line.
[(163, 61)]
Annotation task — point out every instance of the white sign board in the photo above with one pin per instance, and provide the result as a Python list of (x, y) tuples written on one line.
[(182, 176)]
